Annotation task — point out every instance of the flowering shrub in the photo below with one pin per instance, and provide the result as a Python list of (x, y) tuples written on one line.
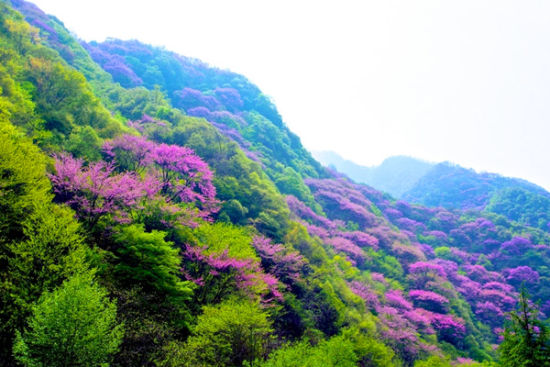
[(429, 300)]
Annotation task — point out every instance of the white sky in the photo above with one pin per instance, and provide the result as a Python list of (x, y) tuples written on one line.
[(466, 81)]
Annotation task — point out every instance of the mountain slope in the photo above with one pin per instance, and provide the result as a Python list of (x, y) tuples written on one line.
[(395, 175), (453, 186), (450, 186), (222, 241)]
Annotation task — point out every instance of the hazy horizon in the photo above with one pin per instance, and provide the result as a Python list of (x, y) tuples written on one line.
[(461, 82)]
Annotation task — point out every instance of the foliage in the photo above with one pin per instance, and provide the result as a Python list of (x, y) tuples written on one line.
[(526, 340), (335, 352), (72, 326), (205, 188), (146, 259), (227, 335)]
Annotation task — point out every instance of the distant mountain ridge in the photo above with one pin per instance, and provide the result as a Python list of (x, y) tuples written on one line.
[(450, 186), (395, 175)]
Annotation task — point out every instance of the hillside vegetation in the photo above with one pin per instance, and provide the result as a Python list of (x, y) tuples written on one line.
[(157, 211)]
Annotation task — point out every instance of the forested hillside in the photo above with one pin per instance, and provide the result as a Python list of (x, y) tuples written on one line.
[(395, 175), (157, 211), (451, 186)]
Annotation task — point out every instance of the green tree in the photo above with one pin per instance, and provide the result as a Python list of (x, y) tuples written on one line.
[(145, 258), (225, 335), (335, 352), (72, 326), (40, 243), (526, 337)]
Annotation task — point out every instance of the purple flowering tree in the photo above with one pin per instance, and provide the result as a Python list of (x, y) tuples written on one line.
[(182, 175), (95, 191), (285, 265), (219, 275), (429, 300)]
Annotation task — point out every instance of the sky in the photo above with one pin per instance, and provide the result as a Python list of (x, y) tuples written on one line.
[(462, 81)]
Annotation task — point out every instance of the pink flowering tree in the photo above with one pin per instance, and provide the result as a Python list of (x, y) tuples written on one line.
[(183, 177), (449, 328), (489, 313), (343, 245), (96, 191), (219, 275), (422, 272), (129, 152), (284, 265), (521, 274), (366, 293), (429, 300)]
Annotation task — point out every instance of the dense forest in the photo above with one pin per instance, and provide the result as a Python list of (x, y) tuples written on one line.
[(157, 211)]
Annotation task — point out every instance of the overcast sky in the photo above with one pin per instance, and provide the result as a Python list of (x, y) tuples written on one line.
[(463, 81)]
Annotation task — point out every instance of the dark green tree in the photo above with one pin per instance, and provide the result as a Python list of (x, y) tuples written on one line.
[(526, 337)]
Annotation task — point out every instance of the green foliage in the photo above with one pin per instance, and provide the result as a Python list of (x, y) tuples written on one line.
[(21, 183), (72, 326), (522, 206), (40, 92), (40, 243), (225, 335), (370, 351), (84, 143), (433, 361), (236, 177), (220, 237), (51, 251), (329, 297), (526, 338), (335, 352), (145, 258)]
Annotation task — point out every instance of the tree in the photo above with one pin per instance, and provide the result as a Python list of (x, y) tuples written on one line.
[(228, 334), (96, 191), (335, 352), (72, 326), (145, 258), (526, 338)]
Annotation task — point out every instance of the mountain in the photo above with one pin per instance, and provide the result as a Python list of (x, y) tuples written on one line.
[(450, 186), (157, 211), (395, 175)]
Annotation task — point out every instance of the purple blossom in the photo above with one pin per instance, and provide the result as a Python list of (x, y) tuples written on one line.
[(346, 246), (95, 191), (362, 239), (305, 212), (229, 97), (285, 265), (429, 300), (410, 224), (449, 328), (367, 294), (423, 267), (219, 274), (489, 312), (408, 253), (521, 274), (378, 277), (184, 175), (516, 246), (129, 152), (188, 98), (395, 298), (439, 235)]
